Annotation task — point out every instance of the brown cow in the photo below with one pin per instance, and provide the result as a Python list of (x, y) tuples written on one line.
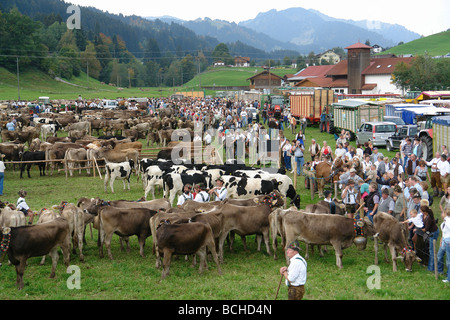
[(248, 220), (46, 238), (322, 229), (75, 217), (58, 152), (185, 239), (394, 235), (125, 222), (324, 207), (327, 172)]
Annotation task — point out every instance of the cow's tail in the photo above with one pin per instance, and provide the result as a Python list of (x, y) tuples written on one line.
[(273, 224)]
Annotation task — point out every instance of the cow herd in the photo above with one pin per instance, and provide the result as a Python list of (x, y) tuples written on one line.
[(191, 229), (255, 205)]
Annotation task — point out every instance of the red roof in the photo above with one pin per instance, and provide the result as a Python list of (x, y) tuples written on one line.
[(384, 65), (325, 82), (340, 69), (314, 71), (359, 45)]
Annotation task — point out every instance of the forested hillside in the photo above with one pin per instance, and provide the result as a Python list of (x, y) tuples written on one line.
[(113, 49)]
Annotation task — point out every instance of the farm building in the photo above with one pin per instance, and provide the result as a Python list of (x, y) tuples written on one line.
[(241, 61), (265, 80), (359, 74)]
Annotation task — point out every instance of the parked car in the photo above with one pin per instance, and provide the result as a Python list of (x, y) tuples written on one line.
[(375, 132), (393, 142), (253, 112)]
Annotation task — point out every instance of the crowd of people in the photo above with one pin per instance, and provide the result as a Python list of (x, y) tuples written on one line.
[(405, 186)]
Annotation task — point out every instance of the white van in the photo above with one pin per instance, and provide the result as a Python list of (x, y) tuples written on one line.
[(110, 104), (376, 132)]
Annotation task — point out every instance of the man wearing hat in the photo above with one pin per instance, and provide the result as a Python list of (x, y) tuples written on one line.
[(400, 203), (350, 197), (201, 194), (344, 179), (186, 195), (220, 191), (295, 274)]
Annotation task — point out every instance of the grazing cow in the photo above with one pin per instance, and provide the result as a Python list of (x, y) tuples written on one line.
[(324, 207), (47, 215), (46, 238), (248, 220), (185, 239), (33, 156), (92, 206), (27, 135), (58, 152), (322, 229), (285, 185), (125, 222), (72, 156), (80, 126), (120, 171), (118, 156), (394, 235), (48, 130), (11, 151), (246, 188), (11, 218), (75, 218)]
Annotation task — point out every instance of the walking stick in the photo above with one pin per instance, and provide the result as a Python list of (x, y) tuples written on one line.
[(436, 275), (279, 285)]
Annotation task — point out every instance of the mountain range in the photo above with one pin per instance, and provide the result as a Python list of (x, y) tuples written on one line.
[(297, 29)]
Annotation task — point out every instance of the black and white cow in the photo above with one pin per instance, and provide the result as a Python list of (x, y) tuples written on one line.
[(173, 183), (246, 188), (286, 187), (121, 170), (48, 130)]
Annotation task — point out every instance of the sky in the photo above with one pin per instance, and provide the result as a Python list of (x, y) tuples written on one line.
[(424, 17)]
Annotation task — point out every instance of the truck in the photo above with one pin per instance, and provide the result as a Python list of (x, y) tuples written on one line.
[(350, 114), (309, 104)]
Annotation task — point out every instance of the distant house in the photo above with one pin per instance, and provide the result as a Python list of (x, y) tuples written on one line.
[(219, 63), (241, 61), (329, 56), (376, 48), (265, 80)]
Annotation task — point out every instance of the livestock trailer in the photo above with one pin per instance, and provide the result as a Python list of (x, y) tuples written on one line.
[(310, 103), (350, 114), (441, 132)]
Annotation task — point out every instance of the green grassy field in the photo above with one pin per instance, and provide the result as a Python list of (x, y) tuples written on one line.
[(35, 83), (248, 275), (435, 45), (223, 76)]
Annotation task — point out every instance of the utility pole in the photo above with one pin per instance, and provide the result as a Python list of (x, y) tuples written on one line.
[(87, 72), (18, 79)]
